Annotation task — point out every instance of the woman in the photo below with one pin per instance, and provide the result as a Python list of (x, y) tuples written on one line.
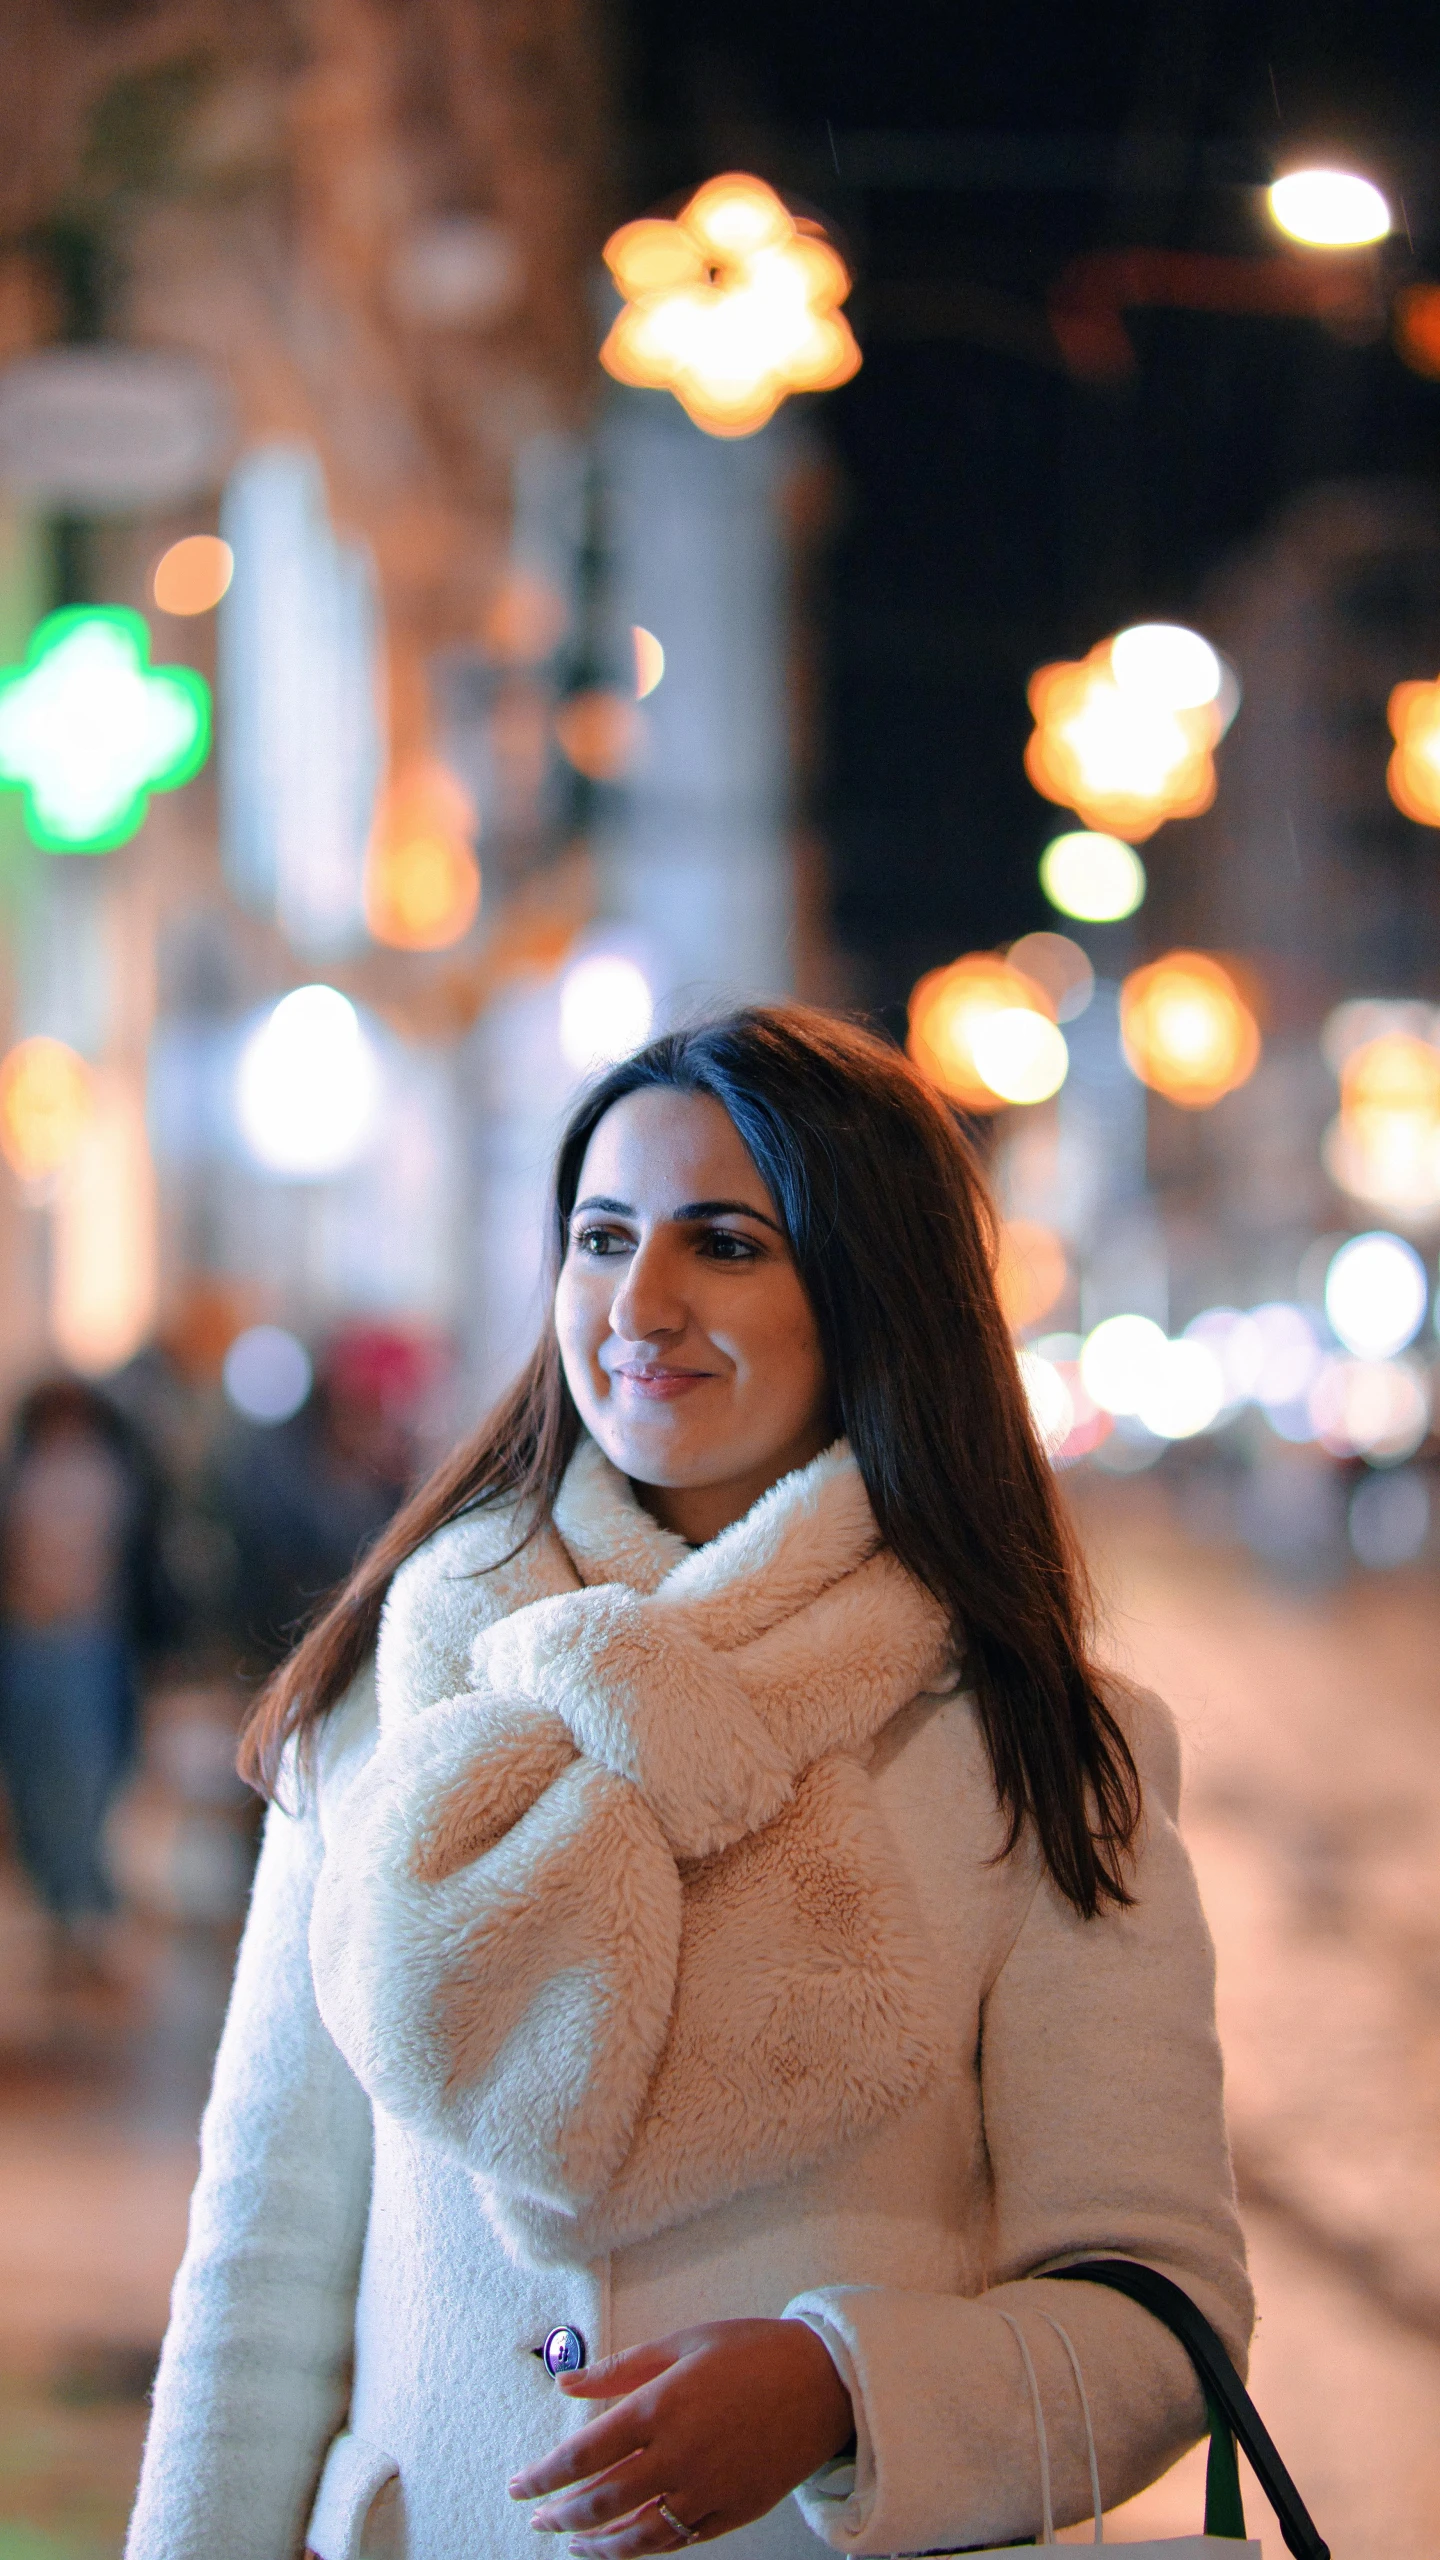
[(727, 1945), (81, 1594)]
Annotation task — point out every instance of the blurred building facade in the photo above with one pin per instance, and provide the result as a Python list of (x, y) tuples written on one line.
[(1305, 874), (365, 242)]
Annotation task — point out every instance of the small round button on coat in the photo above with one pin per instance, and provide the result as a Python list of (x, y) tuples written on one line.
[(563, 2351)]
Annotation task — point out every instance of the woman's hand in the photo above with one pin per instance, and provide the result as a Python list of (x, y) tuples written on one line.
[(720, 2422)]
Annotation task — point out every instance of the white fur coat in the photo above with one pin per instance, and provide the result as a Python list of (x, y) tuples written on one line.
[(353, 2356), (621, 1925)]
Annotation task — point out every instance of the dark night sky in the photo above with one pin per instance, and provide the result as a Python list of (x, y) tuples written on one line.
[(997, 513)]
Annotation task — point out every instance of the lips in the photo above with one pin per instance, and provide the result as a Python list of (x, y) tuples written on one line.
[(660, 1386)]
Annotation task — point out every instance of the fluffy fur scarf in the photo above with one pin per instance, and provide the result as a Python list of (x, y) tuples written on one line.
[(612, 1912)]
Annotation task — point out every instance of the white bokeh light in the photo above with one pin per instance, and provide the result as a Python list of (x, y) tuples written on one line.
[(1330, 209), (1164, 664), (1098, 879), (1376, 1409), (1020, 1053), (308, 1088), (1184, 1391), (1290, 1354), (267, 1374), (1060, 967), (606, 1010), (1238, 1345), (1118, 1361), (1375, 1294)]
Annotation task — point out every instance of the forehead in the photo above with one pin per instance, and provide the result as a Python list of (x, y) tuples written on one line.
[(657, 1150)]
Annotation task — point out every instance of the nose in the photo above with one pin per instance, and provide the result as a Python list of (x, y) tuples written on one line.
[(647, 1306)]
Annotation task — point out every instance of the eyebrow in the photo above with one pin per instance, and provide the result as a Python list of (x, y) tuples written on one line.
[(687, 1214)]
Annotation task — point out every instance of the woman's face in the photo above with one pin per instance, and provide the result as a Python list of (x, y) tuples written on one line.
[(688, 1342)]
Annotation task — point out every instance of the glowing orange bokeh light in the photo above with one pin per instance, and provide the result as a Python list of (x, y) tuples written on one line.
[(422, 881), (525, 621), (1187, 1030), (192, 576), (1030, 1272), (47, 1100), (1384, 1147), (731, 307), (599, 732), (1395, 1072), (945, 1007), (1416, 323), (1413, 774), (1122, 763)]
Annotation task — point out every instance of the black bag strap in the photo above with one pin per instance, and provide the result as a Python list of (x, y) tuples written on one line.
[(1226, 2398)]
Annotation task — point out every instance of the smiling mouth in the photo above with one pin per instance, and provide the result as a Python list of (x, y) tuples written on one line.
[(660, 1385)]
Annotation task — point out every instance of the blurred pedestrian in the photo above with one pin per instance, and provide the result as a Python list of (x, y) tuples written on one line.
[(302, 1499), (171, 1394), (81, 1594)]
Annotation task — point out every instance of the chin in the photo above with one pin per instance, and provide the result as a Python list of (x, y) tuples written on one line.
[(665, 1468), (653, 1456)]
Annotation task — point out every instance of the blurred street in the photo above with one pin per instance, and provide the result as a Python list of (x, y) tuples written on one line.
[(101, 2088), (1310, 1724), (1312, 1809), (522, 529)]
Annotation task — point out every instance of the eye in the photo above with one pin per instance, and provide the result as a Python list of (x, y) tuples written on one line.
[(598, 1243), (721, 1244)]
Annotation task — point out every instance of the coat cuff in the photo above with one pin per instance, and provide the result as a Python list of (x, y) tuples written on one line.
[(837, 2499), (945, 2452), (946, 2456)]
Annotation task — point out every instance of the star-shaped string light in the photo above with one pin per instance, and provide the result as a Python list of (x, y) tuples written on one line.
[(1124, 763), (732, 307), (88, 728)]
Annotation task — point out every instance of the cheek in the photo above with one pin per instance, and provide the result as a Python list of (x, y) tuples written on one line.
[(582, 1314), (809, 1366), (781, 1348)]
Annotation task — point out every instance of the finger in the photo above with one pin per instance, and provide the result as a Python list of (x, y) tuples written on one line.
[(597, 2447), (626, 2370), (604, 2498), (640, 2535)]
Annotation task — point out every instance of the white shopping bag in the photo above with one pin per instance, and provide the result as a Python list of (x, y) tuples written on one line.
[(1191, 2546)]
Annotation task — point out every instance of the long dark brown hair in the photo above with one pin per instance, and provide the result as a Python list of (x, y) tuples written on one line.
[(893, 1232)]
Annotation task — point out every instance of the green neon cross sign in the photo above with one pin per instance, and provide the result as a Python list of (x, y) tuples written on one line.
[(88, 728)]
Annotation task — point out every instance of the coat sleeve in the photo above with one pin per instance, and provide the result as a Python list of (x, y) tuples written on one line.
[(254, 2375), (1104, 2121)]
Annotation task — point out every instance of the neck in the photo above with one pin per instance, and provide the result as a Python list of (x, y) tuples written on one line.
[(698, 1512)]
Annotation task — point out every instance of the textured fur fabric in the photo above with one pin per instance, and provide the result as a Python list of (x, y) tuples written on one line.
[(613, 1914)]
